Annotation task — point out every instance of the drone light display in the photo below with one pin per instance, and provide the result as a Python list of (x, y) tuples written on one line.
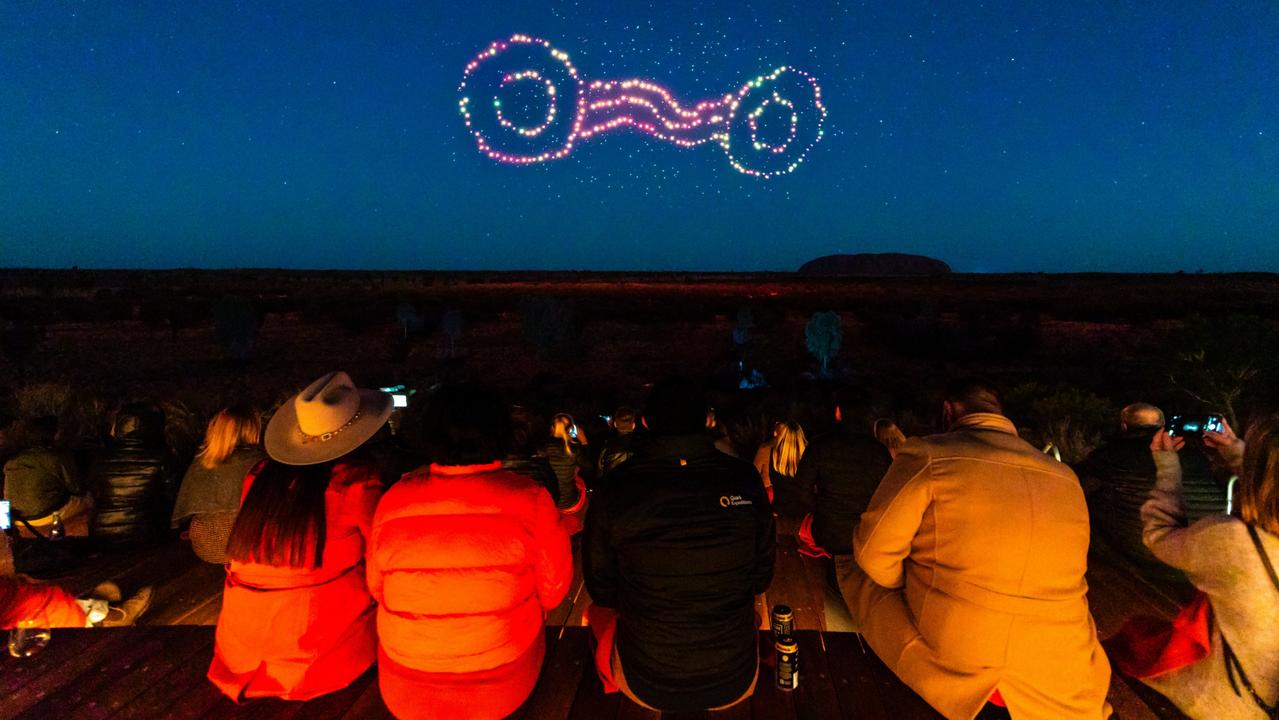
[(528, 72)]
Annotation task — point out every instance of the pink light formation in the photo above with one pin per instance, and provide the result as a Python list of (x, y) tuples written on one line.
[(733, 121)]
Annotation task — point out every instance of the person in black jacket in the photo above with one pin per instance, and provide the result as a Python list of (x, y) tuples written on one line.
[(132, 481), (1119, 475), (841, 470), (678, 543), (524, 458), (621, 447)]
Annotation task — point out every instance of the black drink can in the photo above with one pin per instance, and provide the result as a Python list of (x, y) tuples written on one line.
[(783, 622), (787, 663)]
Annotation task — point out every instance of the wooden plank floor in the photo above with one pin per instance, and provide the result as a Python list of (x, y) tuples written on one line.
[(846, 678), (158, 672)]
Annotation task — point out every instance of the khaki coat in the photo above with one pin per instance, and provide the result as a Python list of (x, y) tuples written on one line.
[(971, 560)]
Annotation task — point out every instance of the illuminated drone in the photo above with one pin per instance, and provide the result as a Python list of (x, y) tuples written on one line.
[(525, 72)]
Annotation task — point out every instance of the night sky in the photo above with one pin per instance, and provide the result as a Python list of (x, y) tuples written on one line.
[(1018, 136)]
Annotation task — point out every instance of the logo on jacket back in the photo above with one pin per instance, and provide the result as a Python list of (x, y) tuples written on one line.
[(733, 501)]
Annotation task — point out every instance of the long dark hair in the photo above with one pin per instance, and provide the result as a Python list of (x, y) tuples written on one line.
[(1258, 488), (281, 520)]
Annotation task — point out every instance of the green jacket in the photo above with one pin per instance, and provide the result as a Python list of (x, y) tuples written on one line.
[(39, 481)]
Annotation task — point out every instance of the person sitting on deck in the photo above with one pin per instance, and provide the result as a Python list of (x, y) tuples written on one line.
[(465, 560), (1119, 475), (32, 604), (524, 455), (210, 494), (777, 461), (973, 552), (297, 618), (621, 447), (677, 545), (566, 451), (133, 479), (1232, 560), (842, 468), (42, 483)]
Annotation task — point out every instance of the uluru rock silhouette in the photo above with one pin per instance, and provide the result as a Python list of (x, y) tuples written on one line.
[(874, 264)]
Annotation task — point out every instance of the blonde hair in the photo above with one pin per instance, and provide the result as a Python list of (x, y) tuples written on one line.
[(789, 448), (230, 428), (559, 430), (1258, 486), (889, 435)]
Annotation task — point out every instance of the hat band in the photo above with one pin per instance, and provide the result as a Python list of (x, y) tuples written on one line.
[(325, 437)]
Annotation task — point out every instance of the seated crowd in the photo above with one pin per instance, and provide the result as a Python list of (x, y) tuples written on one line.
[(961, 556)]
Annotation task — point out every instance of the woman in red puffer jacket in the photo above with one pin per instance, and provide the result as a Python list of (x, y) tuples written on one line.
[(465, 559)]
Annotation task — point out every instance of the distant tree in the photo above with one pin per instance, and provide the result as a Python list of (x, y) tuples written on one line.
[(551, 325), (1071, 419), (745, 325), (407, 316), (1224, 363), (235, 322), (451, 327), (823, 336)]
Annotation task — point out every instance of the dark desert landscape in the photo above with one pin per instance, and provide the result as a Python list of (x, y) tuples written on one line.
[(584, 337)]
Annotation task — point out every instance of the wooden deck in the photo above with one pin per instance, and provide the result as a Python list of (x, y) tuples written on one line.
[(153, 671)]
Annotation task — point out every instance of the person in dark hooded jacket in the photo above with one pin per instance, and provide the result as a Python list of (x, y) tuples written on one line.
[(133, 481)]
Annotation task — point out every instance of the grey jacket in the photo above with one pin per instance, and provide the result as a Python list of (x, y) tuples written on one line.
[(1218, 556)]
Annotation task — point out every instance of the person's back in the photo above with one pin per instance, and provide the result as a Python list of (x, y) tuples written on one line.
[(620, 447), (1007, 519), (524, 455), (843, 468), (297, 618), (39, 481), (617, 450), (680, 541), (1120, 475), (132, 481), (535, 468), (1232, 560), (975, 547), (209, 499), (209, 495), (464, 560)]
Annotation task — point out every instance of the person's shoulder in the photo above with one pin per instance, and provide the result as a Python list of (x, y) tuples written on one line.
[(248, 454), (347, 473), (866, 443), (735, 465), (508, 480), (1222, 526)]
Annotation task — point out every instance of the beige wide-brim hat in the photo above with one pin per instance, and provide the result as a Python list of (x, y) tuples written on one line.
[(327, 420)]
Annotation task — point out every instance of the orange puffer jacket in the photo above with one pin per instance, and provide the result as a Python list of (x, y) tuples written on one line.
[(464, 562)]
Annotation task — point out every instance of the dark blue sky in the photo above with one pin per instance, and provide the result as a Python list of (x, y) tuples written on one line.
[(1127, 136)]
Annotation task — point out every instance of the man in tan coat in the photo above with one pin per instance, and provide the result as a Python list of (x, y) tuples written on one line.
[(970, 572)]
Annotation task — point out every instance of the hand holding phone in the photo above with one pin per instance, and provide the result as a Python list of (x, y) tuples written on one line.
[(1227, 444), (1194, 426)]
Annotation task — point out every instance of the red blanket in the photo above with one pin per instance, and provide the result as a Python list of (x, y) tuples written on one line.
[(1146, 647), (807, 545)]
